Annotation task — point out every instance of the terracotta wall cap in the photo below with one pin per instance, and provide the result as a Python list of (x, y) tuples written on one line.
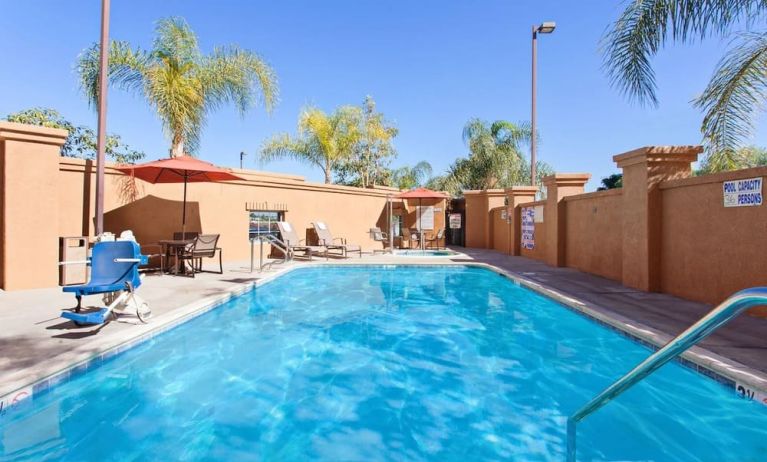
[(32, 133), (567, 179), (521, 190), (484, 192), (653, 154)]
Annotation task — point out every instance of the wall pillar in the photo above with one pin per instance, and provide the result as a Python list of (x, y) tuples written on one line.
[(559, 186), (29, 220), (517, 195), (479, 224), (643, 170)]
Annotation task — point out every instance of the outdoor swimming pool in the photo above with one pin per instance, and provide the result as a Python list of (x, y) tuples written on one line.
[(408, 363)]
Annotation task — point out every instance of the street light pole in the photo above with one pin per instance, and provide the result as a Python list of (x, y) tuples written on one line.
[(545, 28), (102, 122), (242, 155), (532, 106)]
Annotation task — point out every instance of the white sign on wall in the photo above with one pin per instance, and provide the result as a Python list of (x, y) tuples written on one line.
[(742, 193), (503, 214), (539, 214), (455, 221), (425, 217), (528, 227)]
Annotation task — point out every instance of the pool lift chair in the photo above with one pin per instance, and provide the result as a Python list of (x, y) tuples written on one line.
[(114, 273)]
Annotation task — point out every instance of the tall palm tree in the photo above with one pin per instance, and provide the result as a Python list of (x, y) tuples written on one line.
[(739, 85), (495, 158), (408, 177), (181, 83), (324, 140)]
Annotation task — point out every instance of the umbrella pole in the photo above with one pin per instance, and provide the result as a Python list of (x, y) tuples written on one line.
[(183, 213), (420, 222), (391, 228)]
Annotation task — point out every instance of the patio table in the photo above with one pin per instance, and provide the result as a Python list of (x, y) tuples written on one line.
[(172, 247)]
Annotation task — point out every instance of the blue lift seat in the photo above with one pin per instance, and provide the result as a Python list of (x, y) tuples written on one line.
[(114, 268)]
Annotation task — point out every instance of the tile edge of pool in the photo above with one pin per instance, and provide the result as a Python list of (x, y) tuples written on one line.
[(741, 379)]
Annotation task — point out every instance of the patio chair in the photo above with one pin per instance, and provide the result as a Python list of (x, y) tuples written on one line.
[(203, 246), (294, 243), (412, 237), (379, 236), (114, 272), (436, 239), (326, 239)]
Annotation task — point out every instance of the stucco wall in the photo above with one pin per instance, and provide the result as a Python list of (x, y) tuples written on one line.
[(155, 212), (476, 220), (501, 234), (710, 251), (479, 218), (594, 234)]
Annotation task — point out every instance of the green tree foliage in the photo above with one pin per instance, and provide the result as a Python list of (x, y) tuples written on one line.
[(180, 83), (81, 141), (745, 157), (495, 159), (323, 140), (409, 177), (739, 86), (368, 164), (611, 182)]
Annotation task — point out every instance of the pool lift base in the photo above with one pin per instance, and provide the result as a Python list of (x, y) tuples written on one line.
[(123, 302)]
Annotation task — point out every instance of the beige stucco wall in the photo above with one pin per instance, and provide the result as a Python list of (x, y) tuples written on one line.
[(45, 196), (155, 212), (479, 227), (28, 165), (710, 251), (501, 234), (594, 232)]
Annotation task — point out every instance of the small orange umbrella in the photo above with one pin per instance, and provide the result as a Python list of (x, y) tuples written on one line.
[(186, 169), (421, 193)]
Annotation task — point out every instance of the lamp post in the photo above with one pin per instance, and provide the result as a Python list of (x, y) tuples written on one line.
[(545, 28), (102, 121), (242, 156)]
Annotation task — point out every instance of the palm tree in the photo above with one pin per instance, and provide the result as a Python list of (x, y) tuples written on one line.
[(324, 140), (181, 83), (739, 85), (408, 177), (495, 158)]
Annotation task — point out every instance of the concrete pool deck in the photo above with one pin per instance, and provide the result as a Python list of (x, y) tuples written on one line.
[(35, 343)]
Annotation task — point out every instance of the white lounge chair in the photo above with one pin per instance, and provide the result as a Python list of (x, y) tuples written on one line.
[(293, 242), (326, 239)]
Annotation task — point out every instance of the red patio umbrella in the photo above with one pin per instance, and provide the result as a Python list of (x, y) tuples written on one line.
[(420, 193), (186, 169)]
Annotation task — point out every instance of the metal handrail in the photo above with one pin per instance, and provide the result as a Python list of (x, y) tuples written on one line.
[(716, 318), (276, 242)]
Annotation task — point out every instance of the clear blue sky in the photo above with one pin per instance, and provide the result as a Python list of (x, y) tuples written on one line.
[(430, 65)]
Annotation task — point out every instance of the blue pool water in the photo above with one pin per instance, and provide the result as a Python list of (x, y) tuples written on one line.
[(382, 363), (426, 253)]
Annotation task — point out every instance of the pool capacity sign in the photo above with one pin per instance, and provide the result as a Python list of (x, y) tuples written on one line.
[(528, 227), (742, 193)]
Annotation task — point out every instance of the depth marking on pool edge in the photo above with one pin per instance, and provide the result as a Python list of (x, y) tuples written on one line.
[(10, 402), (750, 394)]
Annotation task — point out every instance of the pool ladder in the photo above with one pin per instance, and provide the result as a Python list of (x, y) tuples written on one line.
[(715, 319), (275, 242)]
